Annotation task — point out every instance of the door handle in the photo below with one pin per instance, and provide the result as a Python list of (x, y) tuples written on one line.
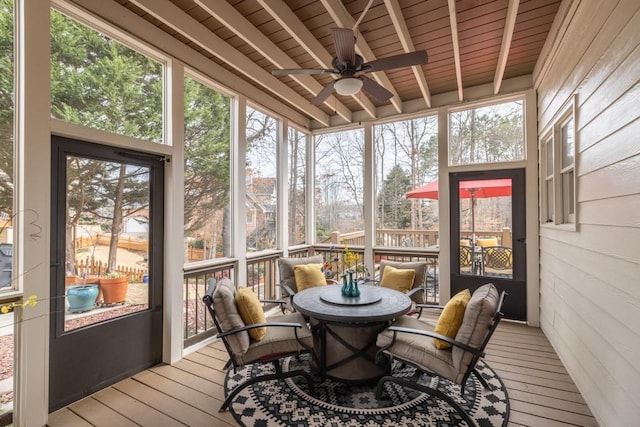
[(522, 240)]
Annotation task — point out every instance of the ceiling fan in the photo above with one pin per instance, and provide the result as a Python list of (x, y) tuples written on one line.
[(351, 66)]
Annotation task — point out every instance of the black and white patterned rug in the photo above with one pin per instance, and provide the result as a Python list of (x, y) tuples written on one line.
[(331, 403)]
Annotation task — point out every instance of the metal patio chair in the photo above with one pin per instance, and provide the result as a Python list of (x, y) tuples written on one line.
[(286, 335), (411, 341)]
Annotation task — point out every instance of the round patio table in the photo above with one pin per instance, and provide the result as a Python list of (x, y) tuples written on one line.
[(345, 329)]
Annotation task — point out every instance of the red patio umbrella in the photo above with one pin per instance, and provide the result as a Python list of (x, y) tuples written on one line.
[(484, 189)]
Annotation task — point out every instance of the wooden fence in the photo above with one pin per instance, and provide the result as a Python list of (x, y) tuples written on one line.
[(103, 240), (93, 267)]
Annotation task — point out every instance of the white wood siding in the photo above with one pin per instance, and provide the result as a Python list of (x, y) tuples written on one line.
[(590, 278)]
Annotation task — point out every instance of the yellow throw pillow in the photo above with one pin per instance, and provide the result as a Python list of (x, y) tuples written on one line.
[(451, 317), (251, 312), (398, 278), (490, 241), (308, 276)]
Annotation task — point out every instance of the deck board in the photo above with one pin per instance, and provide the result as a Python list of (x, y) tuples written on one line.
[(189, 392)]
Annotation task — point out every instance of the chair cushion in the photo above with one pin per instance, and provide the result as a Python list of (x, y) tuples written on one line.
[(451, 318), (490, 241), (279, 340), (475, 325), (398, 278), (308, 276), (224, 304), (419, 350), (420, 268), (251, 311), (465, 242), (287, 277)]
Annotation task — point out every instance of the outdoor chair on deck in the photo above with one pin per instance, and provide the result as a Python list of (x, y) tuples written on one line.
[(288, 285), (497, 259), (399, 278), (414, 342), (465, 258), (255, 342)]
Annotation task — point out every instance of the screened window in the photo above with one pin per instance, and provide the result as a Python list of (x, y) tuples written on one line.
[(207, 176), (7, 96), (297, 170), (339, 187), (406, 154), (487, 134), (99, 83), (262, 155)]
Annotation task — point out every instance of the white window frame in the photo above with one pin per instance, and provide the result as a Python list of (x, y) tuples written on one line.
[(547, 178), (563, 213)]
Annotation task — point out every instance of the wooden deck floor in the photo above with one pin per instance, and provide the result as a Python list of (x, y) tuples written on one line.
[(190, 392)]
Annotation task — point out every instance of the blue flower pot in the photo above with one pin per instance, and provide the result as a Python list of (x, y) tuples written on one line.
[(82, 298)]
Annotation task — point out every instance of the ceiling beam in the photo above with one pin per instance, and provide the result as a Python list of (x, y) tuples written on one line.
[(453, 19), (232, 19), (395, 12), (282, 14), (174, 17), (341, 16), (509, 25)]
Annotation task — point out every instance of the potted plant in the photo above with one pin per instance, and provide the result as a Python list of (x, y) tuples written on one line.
[(82, 297), (114, 287)]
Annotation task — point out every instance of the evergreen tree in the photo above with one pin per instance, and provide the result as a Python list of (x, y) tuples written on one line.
[(396, 209)]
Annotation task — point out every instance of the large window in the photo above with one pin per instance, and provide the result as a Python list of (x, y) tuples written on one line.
[(297, 170), (406, 158), (262, 155), (488, 134), (339, 187), (207, 183), (7, 138), (6, 143), (99, 83)]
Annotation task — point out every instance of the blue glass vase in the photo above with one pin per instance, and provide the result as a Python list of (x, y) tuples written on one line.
[(345, 286), (355, 292)]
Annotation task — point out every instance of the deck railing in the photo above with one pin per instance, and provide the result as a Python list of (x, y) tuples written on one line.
[(412, 238), (262, 277), (198, 324)]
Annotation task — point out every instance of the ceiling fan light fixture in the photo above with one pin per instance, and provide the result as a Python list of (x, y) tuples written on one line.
[(348, 86)]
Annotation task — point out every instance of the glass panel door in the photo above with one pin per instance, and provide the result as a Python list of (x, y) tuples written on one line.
[(106, 267), (488, 234)]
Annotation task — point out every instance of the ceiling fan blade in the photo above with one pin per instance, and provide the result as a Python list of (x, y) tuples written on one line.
[(323, 95), (286, 71), (374, 89), (397, 61), (345, 42)]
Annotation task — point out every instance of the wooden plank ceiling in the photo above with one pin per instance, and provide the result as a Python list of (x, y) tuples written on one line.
[(468, 42)]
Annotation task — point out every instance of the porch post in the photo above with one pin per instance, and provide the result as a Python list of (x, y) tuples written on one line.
[(369, 199), (174, 216), (238, 188), (444, 259), (282, 185), (33, 211)]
